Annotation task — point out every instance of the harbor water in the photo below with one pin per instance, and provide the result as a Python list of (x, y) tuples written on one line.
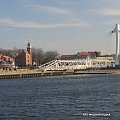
[(61, 98)]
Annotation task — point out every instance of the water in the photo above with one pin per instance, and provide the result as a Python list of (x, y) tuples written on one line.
[(61, 98)]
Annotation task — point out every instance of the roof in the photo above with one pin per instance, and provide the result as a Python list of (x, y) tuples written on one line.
[(88, 53), (83, 53), (67, 57), (7, 58)]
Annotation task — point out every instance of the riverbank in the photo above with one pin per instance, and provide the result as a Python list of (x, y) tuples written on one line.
[(26, 73), (18, 71)]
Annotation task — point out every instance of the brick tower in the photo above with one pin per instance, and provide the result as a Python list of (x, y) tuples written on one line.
[(29, 55)]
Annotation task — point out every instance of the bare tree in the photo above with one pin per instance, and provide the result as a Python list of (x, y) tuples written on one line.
[(50, 55), (38, 56)]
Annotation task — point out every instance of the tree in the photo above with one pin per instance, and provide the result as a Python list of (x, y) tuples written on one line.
[(38, 56), (50, 55)]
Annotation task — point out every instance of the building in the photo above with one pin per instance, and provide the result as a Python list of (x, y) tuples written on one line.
[(105, 57), (68, 57), (6, 61), (24, 58), (81, 55), (29, 55), (85, 55), (20, 59)]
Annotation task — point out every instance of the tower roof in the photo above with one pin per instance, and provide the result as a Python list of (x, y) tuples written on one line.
[(29, 45)]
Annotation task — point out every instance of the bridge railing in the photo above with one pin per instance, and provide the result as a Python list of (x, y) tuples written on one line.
[(75, 64)]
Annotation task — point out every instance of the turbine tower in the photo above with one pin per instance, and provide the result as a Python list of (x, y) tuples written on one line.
[(117, 31)]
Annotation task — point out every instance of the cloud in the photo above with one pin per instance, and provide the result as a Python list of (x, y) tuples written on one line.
[(49, 9), (32, 25), (110, 11), (107, 11)]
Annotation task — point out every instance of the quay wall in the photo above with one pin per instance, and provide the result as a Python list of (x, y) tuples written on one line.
[(25, 73)]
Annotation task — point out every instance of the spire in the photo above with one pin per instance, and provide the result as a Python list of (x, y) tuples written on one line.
[(29, 44)]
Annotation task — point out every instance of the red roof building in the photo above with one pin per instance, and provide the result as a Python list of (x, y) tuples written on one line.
[(6, 60), (84, 55)]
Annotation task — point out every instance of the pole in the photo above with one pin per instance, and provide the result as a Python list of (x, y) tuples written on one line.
[(117, 44), (117, 54)]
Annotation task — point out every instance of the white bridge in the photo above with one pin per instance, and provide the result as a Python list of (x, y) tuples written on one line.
[(75, 64)]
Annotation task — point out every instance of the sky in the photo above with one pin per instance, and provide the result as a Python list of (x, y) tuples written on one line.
[(68, 26)]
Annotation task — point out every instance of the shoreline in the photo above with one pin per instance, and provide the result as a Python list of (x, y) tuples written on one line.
[(25, 73)]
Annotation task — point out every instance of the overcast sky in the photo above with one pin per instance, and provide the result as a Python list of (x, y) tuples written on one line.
[(68, 26)]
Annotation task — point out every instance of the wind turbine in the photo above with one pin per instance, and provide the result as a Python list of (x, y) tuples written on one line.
[(117, 31)]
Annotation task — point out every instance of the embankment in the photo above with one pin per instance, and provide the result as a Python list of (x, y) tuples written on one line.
[(25, 73)]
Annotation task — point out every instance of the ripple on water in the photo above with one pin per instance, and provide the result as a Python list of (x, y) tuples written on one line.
[(63, 98)]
